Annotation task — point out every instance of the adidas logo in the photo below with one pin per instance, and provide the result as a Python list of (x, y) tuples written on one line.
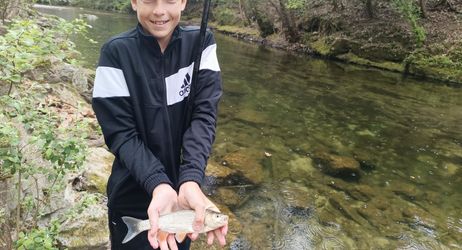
[(186, 85)]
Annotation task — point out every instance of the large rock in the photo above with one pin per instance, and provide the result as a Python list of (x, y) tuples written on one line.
[(340, 46), (79, 77), (97, 170), (88, 230), (337, 166), (381, 52)]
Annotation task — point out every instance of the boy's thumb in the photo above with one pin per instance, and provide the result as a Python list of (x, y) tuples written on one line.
[(199, 218)]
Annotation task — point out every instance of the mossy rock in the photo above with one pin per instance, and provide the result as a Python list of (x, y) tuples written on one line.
[(353, 58), (97, 169), (321, 47), (393, 52), (87, 231)]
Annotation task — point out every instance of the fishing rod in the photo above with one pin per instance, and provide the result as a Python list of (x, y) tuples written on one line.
[(198, 55)]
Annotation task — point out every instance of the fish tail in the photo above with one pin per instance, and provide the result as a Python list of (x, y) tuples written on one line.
[(133, 228)]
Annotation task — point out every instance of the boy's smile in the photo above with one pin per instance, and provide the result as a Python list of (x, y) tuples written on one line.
[(159, 17)]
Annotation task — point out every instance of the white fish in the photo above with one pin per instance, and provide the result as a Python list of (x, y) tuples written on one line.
[(179, 223)]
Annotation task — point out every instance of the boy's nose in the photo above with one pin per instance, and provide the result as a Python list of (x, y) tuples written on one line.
[(158, 9)]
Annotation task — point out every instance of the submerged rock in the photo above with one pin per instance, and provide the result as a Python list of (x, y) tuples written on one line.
[(215, 170), (301, 168), (338, 166), (229, 197), (248, 163)]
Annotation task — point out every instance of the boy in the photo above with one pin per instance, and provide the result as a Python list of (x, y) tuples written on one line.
[(139, 97)]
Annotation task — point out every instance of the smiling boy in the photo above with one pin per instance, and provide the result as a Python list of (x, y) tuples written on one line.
[(141, 86)]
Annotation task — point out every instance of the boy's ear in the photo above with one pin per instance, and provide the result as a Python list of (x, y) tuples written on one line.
[(134, 4), (183, 4)]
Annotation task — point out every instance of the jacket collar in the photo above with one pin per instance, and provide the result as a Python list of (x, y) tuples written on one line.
[(151, 43)]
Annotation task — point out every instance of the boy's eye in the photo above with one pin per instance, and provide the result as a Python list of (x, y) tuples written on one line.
[(147, 1)]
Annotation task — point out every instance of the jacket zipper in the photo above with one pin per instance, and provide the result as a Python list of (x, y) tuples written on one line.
[(170, 137)]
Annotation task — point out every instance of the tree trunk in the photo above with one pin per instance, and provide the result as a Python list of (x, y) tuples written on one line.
[(369, 8), (5, 231), (243, 13), (423, 9), (337, 4), (288, 25), (9, 9)]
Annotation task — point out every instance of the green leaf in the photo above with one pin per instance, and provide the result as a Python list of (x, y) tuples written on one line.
[(15, 78)]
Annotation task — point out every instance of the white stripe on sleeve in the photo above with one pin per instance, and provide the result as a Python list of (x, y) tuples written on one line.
[(209, 59), (110, 82)]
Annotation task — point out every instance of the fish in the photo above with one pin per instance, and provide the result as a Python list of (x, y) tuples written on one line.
[(179, 223)]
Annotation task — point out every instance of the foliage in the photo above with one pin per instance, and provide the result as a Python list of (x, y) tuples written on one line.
[(296, 4), (39, 238), (45, 237), (10, 155), (27, 46), (224, 16), (29, 123), (412, 13), (110, 5)]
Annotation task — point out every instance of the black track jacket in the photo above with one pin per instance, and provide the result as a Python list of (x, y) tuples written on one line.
[(139, 98)]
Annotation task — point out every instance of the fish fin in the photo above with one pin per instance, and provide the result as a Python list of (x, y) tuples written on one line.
[(180, 237), (162, 236), (133, 229)]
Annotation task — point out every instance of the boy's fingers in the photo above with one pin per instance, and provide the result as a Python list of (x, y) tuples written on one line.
[(220, 237), (152, 237), (193, 236), (172, 242), (163, 245), (153, 219), (210, 238), (199, 219), (224, 230)]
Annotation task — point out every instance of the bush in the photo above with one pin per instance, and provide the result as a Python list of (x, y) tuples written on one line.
[(225, 16)]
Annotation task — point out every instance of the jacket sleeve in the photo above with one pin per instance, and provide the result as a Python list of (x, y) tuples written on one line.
[(112, 104), (199, 137)]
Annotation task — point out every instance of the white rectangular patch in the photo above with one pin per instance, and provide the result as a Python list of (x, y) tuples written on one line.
[(178, 85), (209, 58), (110, 82)]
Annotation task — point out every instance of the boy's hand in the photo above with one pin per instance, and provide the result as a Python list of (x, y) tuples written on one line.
[(164, 200), (191, 196)]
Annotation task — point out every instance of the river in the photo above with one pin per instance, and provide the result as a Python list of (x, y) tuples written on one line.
[(280, 112)]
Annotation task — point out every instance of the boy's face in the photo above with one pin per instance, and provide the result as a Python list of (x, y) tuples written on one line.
[(159, 17)]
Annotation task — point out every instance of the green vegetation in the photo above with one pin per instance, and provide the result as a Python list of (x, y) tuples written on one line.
[(109, 5), (412, 13), (437, 61), (27, 46), (36, 147)]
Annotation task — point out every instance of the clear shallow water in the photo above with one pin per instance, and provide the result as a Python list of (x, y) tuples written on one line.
[(407, 130)]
